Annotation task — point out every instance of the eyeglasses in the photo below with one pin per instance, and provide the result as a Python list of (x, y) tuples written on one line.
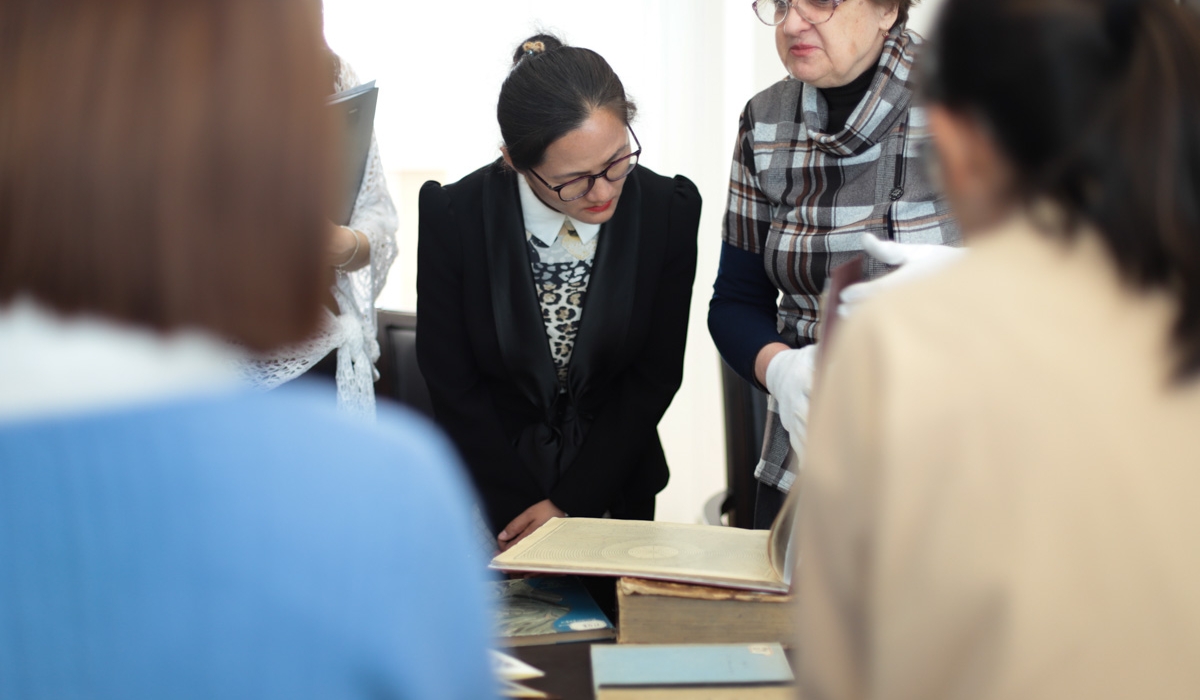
[(773, 13), (616, 171)]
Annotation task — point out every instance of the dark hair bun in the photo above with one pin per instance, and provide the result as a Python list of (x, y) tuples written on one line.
[(536, 45)]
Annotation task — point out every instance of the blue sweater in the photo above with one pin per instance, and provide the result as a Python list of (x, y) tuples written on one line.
[(237, 546)]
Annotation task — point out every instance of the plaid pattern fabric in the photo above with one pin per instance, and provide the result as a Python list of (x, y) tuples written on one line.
[(777, 466), (803, 198)]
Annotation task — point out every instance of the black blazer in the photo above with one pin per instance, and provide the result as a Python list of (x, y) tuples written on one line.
[(482, 347)]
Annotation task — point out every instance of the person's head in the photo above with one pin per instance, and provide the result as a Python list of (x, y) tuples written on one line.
[(166, 164), (1093, 105), (829, 43), (564, 114)]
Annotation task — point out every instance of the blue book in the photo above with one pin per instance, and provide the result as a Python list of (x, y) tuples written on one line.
[(548, 610), (684, 665)]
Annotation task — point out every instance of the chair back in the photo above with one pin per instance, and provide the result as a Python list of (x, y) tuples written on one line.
[(399, 376), (745, 421)]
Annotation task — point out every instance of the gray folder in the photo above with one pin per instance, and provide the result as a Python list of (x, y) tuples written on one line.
[(356, 111)]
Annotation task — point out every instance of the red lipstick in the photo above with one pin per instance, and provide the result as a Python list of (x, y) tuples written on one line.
[(601, 208)]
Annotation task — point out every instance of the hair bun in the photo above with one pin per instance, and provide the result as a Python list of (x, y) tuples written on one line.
[(536, 45), (1120, 23)]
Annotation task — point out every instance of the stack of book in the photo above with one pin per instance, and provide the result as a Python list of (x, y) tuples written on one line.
[(679, 583)]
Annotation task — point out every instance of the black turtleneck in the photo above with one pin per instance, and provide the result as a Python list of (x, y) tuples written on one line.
[(843, 99)]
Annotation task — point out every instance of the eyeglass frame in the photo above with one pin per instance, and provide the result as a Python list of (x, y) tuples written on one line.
[(592, 178), (792, 4)]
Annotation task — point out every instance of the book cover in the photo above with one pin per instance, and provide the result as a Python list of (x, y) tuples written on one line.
[(548, 610), (689, 665), (756, 560)]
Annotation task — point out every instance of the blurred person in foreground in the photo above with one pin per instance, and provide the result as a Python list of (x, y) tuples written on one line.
[(1000, 500), (828, 155), (165, 533)]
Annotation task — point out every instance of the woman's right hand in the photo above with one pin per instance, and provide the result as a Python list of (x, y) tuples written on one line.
[(526, 523)]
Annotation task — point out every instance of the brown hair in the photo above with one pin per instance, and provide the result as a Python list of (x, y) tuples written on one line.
[(166, 163)]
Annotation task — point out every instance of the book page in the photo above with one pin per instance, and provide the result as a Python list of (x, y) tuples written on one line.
[(709, 554)]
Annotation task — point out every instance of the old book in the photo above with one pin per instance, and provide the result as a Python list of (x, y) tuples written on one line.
[(548, 610), (755, 560), (692, 671), (662, 612)]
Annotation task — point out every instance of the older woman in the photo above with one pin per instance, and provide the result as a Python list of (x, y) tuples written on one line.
[(828, 154)]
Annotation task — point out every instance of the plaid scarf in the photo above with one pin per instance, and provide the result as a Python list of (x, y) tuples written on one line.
[(803, 198)]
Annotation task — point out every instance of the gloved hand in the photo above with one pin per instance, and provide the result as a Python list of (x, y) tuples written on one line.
[(790, 380), (915, 260)]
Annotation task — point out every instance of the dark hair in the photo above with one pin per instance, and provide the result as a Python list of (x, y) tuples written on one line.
[(1097, 106), (551, 90), (166, 164)]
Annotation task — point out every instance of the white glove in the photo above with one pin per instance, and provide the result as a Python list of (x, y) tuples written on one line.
[(790, 380), (915, 260)]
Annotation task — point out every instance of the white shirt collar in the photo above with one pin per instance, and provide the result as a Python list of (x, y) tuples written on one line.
[(55, 365), (545, 223)]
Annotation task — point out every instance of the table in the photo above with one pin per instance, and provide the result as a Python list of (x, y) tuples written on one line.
[(568, 668)]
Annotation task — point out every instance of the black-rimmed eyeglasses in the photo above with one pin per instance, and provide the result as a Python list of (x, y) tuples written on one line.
[(615, 171), (774, 12)]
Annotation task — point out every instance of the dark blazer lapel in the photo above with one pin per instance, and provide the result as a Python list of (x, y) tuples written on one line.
[(610, 295), (519, 326)]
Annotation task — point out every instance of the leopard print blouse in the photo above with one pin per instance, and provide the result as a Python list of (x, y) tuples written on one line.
[(561, 272)]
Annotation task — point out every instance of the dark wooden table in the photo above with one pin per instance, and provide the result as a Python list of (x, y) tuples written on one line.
[(568, 668)]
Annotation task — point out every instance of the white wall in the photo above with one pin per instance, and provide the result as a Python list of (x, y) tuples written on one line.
[(690, 65)]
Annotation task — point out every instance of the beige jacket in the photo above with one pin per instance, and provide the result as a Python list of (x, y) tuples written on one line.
[(1002, 498)]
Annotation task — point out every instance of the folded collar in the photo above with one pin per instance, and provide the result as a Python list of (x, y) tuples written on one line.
[(56, 365), (545, 223)]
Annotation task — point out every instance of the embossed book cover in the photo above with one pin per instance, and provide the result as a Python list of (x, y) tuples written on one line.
[(756, 560)]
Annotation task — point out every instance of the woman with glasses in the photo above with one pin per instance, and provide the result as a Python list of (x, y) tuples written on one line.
[(828, 154), (554, 287)]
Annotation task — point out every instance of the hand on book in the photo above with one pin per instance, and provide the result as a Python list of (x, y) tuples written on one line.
[(524, 524)]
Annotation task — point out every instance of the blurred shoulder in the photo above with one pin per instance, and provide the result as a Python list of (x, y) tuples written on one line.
[(319, 448), (346, 77)]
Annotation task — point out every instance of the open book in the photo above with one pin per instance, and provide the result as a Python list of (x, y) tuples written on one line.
[(713, 555)]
